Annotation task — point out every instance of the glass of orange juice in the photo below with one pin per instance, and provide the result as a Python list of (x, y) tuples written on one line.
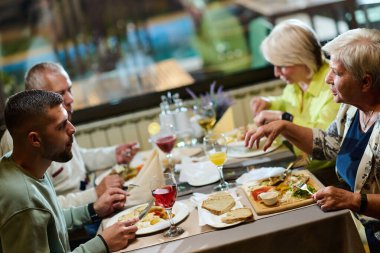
[(215, 147)]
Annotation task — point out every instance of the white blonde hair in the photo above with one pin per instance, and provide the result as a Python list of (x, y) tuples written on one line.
[(359, 52), (292, 42)]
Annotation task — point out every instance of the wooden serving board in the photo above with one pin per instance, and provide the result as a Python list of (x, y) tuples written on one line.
[(261, 209)]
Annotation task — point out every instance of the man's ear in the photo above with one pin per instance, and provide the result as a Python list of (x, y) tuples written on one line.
[(367, 83), (34, 139)]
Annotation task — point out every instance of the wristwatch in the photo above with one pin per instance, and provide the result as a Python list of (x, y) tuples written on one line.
[(287, 116), (363, 203), (94, 216)]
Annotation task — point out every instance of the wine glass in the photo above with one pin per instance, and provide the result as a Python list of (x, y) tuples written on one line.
[(164, 191), (206, 117), (215, 147), (165, 140)]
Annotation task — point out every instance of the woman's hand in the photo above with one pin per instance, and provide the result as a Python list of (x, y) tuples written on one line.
[(258, 104), (331, 198), (271, 131), (267, 116)]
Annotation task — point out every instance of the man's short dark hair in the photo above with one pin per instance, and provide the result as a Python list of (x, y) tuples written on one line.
[(27, 108)]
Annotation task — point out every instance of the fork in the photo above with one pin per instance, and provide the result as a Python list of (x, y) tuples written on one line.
[(303, 186), (128, 187)]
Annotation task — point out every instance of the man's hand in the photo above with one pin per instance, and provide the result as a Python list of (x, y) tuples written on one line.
[(267, 116), (126, 152), (258, 104), (113, 199), (120, 234), (110, 181), (332, 198)]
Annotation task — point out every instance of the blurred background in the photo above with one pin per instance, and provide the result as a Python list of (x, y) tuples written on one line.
[(122, 55)]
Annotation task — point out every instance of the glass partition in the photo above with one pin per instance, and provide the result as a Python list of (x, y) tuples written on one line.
[(124, 48)]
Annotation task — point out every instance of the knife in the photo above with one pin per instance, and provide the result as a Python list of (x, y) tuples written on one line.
[(146, 210)]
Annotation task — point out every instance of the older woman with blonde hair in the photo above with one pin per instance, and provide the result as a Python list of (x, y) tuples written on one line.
[(294, 50), (354, 137)]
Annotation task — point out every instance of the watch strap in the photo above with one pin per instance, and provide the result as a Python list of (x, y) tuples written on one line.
[(94, 216), (363, 203)]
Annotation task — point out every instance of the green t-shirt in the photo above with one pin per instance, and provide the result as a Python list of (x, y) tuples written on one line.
[(31, 218)]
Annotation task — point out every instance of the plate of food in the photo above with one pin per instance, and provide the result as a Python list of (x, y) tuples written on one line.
[(155, 220), (238, 134), (222, 209), (123, 170), (237, 149), (276, 194)]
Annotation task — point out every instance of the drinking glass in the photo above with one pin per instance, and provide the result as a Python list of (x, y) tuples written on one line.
[(164, 191), (165, 140), (215, 147), (206, 117)]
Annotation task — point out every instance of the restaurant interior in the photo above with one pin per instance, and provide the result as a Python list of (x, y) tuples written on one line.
[(128, 58)]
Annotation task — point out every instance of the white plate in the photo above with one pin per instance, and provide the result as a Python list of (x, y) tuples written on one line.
[(238, 150), (179, 209), (216, 220), (199, 174)]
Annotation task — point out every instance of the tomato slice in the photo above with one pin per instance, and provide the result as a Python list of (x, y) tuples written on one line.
[(255, 193)]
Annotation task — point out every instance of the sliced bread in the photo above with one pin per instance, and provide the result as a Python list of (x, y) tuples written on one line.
[(219, 203), (239, 214)]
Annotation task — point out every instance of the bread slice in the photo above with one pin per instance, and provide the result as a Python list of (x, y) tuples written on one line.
[(219, 203), (239, 214)]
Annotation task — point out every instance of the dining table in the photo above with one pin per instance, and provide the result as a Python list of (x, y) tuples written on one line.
[(303, 229)]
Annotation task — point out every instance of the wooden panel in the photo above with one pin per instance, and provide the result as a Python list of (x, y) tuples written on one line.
[(114, 135), (129, 132), (132, 127), (142, 129), (99, 138), (238, 111), (84, 140)]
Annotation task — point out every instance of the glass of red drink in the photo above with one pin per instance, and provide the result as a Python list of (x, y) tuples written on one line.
[(166, 140), (164, 191)]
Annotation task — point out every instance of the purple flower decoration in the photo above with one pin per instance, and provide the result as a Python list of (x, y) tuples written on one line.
[(219, 99)]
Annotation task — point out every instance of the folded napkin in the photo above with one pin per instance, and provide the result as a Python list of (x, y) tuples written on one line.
[(261, 173), (198, 174), (152, 168)]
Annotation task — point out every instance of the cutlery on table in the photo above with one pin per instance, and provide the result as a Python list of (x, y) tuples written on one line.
[(146, 210), (128, 187), (303, 186)]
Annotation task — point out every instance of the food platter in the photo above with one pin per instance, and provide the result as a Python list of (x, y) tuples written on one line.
[(290, 196), (179, 210)]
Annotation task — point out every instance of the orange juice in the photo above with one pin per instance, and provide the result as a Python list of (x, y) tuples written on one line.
[(218, 158)]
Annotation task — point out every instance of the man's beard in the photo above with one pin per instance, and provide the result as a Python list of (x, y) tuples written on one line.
[(52, 154)]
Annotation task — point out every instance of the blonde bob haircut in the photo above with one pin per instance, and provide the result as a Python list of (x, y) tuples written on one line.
[(359, 52), (292, 42)]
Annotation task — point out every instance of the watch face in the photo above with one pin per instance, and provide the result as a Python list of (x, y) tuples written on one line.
[(287, 116)]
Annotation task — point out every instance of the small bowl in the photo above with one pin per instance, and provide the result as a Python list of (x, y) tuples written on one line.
[(269, 198)]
